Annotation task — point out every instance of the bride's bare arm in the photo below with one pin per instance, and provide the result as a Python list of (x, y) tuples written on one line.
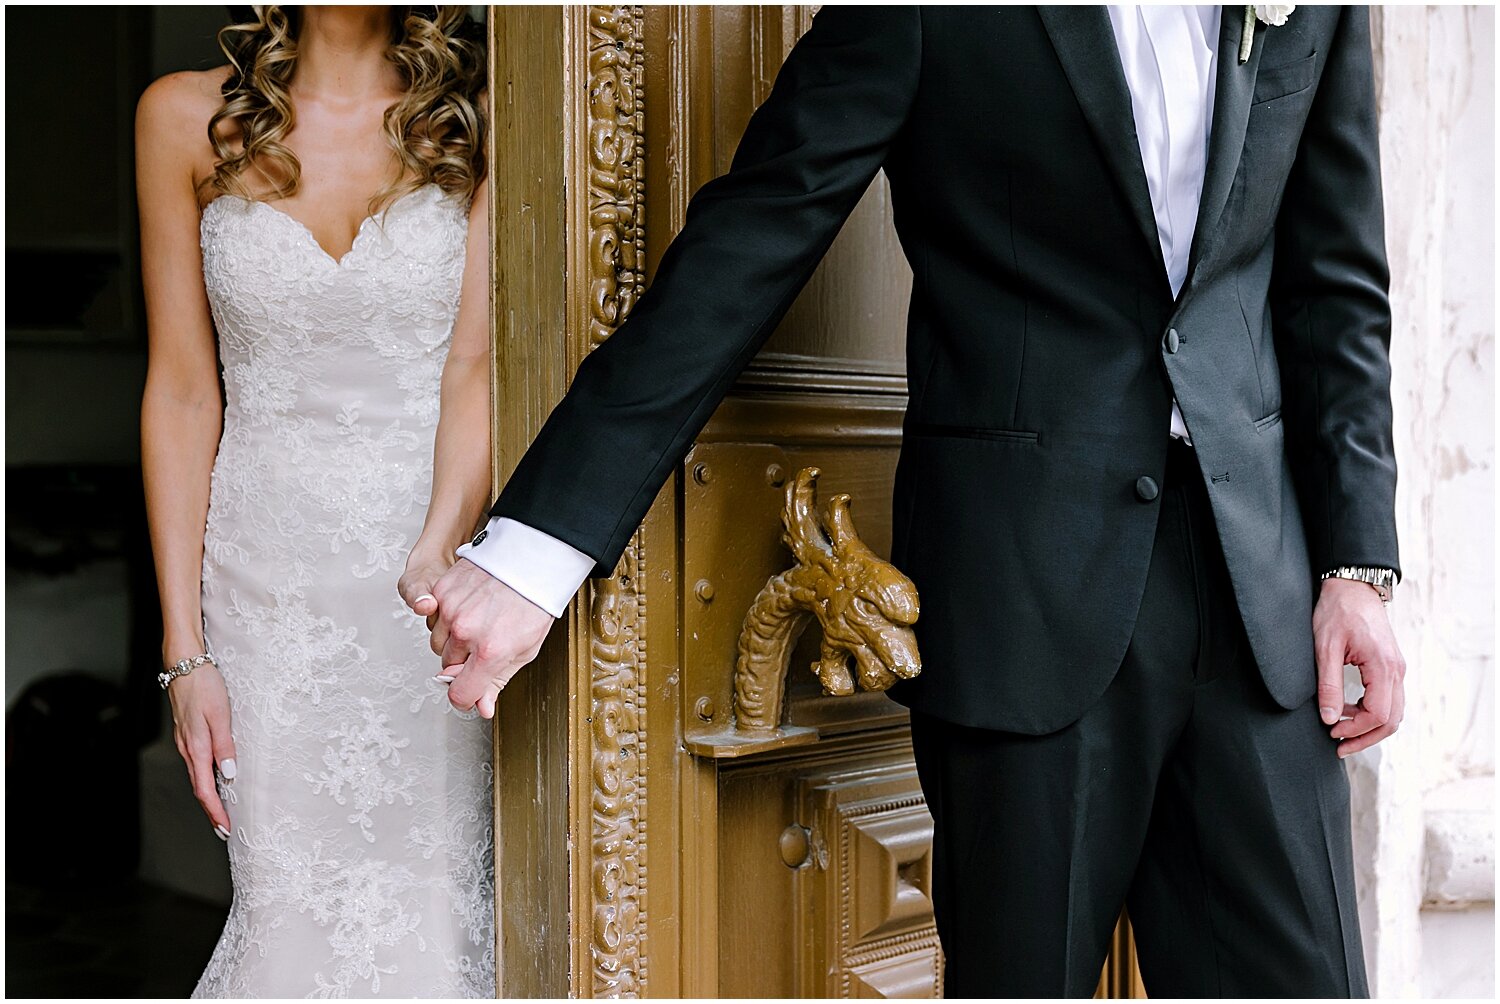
[(181, 414), (461, 456)]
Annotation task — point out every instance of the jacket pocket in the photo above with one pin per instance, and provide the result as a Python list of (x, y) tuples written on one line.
[(1274, 418), (1021, 436), (1289, 78)]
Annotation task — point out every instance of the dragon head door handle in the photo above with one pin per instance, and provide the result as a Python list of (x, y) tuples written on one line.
[(865, 606)]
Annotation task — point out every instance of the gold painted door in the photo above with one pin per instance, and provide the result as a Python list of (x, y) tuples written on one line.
[(649, 842)]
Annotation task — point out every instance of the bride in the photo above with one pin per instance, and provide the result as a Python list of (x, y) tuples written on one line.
[(313, 224)]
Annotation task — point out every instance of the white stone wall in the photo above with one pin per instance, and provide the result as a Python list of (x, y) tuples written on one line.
[(1431, 787)]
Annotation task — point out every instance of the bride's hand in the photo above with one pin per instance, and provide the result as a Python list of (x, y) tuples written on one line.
[(200, 716), (423, 568)]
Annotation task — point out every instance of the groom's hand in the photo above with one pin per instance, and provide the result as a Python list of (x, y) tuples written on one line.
[(1350, 626), (485, 632)]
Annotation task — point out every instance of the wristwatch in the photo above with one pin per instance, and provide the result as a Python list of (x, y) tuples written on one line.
[(1383, 579)]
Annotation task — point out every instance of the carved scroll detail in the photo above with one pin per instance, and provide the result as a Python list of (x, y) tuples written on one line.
[(618, 814), (863, 604), (617, 167), (617, 735)]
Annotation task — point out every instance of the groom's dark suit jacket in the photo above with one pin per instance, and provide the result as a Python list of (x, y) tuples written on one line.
[(1041, 350)]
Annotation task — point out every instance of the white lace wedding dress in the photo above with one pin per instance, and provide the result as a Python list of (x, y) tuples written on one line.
[(361, 853)]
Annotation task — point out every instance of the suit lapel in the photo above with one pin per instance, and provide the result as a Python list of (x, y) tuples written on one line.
[(1233, 88), (1085, 45)]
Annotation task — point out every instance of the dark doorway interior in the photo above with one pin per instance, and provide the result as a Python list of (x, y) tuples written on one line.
[(115, 884)]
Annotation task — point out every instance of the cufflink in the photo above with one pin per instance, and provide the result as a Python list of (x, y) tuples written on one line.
[(479, 537)]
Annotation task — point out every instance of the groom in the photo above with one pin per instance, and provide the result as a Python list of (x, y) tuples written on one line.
[(1146, 488)]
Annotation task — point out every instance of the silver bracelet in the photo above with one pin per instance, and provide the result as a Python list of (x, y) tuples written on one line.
[(182, 668)]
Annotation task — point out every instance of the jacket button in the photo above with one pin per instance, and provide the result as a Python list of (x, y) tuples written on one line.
[(1146, 490), (1174, 341)]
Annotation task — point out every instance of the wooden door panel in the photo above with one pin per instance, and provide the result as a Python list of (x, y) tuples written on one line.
[(824, 875), (870, 882)]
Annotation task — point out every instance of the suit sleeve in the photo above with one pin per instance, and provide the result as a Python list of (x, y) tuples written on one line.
[(750, 241), (1332, 319)]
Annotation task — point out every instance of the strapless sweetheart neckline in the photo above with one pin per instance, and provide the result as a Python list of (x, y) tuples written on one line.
[(306, 231)]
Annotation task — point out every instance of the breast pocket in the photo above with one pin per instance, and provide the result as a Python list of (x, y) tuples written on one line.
[(1274, 82)]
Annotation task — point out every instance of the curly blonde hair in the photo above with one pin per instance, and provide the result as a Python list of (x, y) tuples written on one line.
[(436, 129)]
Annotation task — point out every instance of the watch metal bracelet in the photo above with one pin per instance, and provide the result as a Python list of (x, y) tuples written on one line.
[(1382, 579)]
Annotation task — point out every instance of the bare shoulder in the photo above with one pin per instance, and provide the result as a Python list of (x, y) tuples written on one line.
[(171, 126), (183, 101), (176, 108)]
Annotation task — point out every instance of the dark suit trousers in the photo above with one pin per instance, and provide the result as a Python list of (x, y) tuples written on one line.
[(1185, 791)]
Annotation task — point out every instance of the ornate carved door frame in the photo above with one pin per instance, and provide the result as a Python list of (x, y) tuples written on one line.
[(568, 266)]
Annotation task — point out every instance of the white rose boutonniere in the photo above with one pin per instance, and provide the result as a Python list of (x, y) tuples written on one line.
[(1273, 14)]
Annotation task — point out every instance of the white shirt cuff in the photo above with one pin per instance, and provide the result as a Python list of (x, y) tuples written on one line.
[(537, 565)]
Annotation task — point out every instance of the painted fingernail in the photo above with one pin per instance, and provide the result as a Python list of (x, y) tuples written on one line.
[(440, 678), (1330, 715), (222, 833), (228, 769)]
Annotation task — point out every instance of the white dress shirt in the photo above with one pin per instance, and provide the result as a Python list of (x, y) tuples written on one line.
[(1170, 55)]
